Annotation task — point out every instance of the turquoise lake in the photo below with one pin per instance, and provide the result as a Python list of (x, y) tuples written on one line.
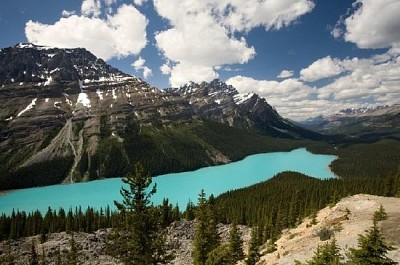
[(178, 187)]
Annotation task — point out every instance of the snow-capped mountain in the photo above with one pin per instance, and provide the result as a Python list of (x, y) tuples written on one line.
[(358, 121), (69, 112)]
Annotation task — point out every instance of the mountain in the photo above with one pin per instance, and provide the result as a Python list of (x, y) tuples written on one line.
[(67, 116), (359, 122)]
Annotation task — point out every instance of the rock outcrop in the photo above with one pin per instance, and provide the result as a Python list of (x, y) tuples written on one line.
[(349, 218)]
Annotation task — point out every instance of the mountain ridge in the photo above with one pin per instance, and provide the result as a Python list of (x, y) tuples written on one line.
[(67, 111)]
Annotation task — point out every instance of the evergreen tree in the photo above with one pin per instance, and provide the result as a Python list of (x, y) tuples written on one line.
[(43, 257), (139, 239), (327, 254), (372, 249), (253, 255), (235, 243), (189, 212), (380, 215), (166, 213), (206, 238), (34, 257), (73, 254), (221, 255)]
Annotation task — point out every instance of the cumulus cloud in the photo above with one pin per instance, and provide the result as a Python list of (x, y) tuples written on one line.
[(139, 2), (322, 68), (203, 34), (165, 69), (139, 66), (373, 24), (91, 8), (182, 73), (285, 74), (118, 35), (67, 13), (365, 83)]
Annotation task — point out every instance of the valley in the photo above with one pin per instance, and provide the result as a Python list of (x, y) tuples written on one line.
[(70, 120)]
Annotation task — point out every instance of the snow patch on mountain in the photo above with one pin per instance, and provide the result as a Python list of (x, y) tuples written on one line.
[(241, 98), (84, 100), (29, 107)]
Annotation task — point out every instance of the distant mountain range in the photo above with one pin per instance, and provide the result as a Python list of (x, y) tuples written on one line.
[(359, 122), (67, 116)]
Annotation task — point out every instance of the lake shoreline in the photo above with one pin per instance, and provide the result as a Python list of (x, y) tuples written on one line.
[(178, 187), (5, 192)]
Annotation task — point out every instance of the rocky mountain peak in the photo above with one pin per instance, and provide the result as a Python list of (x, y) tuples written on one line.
[(30, 63), (67, 105)]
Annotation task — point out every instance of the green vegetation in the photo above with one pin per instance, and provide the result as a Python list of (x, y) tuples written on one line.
[(286, 199), (327, 254), (206, 239), (139, 237), (372, 249), (380, 214), (43, 173)]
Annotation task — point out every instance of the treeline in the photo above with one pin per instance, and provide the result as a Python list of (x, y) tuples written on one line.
[(22, 224), (43, 173), (283, 201)]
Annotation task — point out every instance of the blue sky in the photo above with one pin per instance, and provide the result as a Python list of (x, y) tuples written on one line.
[(306, 57)]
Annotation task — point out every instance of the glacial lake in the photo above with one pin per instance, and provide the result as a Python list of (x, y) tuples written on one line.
[(179, 188)]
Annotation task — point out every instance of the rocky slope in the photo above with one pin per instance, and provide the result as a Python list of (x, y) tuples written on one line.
[(91, 247), (348, 218), (67, 116)]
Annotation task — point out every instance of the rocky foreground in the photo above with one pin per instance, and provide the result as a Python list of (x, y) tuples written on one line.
[(91, 247), (347, 219)]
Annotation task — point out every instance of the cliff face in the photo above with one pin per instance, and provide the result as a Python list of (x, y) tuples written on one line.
[(66, 111)]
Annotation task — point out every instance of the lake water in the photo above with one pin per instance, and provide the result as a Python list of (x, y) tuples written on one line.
[(178, 187)]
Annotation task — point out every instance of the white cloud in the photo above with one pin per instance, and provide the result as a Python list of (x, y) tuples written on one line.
[(203, 33), (139, 2), (322, 68), (91, 8), (181, 73), (285, 74), (366, 83), (66, 13), (165, 69), (374, 24), (110, 2), (119, 35), (139, 66)]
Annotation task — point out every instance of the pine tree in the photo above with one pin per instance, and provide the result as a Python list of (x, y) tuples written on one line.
[(43, 257), (380, 215), (221, 255), (189, 212), (139, 239), (253, 255), (327, 254), (73, 254), (372, 249), (34, 257), (235, 243), (206, 237)]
